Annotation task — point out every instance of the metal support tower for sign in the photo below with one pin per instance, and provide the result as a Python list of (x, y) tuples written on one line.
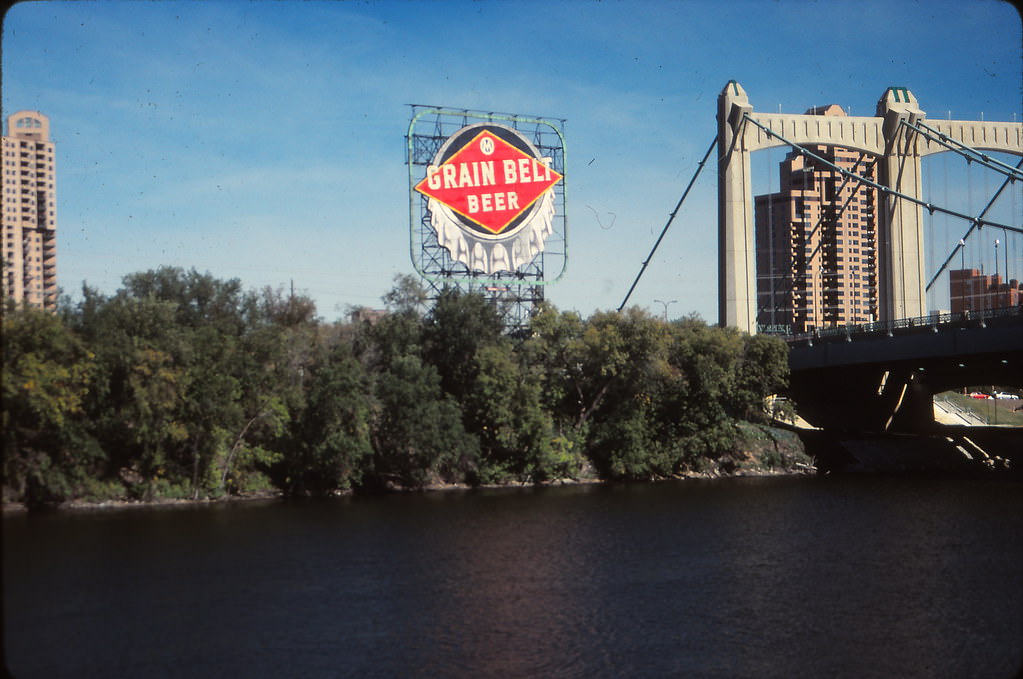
[(519, 293)]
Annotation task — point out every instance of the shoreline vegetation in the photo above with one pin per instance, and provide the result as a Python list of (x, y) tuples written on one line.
[(796, 463), (12, 508), (182, 388), (798, 469)]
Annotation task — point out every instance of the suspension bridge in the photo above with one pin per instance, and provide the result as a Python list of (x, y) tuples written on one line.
[(899, 138), (879, 376)]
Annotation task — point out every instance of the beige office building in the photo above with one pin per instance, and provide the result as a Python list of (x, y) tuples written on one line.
[(29, 211), (816, 242)]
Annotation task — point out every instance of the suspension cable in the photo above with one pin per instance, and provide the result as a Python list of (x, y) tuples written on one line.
[(978, 221), (671, 218), (962, 241)]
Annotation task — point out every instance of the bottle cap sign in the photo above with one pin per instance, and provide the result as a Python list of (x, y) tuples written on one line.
[(490, 197)]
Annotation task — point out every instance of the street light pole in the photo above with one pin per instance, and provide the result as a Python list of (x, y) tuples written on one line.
[(666, 305), (994, 292), (962, 259), (1006, 236)]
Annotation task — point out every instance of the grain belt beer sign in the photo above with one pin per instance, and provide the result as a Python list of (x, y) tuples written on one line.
[(490, 195)]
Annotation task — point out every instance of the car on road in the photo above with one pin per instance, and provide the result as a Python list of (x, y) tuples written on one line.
[(978, 394), (1005, 395)]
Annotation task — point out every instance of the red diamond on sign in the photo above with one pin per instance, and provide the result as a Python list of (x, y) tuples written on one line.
[(488, 181)]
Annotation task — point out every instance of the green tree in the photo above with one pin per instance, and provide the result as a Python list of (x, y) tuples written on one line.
[(232, 358), (556, 356), (252, 351), (198, 298), (182, 384), (623, 364), (417, 433), (503, 409), (137, 406), (762, 370), (554, 348), (701, 402), (47, 374), (392, 337), (408, 296), (457, 326), (330, 441)]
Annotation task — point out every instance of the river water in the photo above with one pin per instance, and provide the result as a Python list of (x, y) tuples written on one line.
[(777, 577)]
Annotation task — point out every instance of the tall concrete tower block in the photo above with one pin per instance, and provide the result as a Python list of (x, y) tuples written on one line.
[(29, 248), (901, 223), (737, 292)]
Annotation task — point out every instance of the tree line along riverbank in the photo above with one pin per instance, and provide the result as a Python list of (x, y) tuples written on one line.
[(184, 386)]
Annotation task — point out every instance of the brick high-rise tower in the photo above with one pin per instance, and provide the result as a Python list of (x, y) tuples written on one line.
[(29, 250), (816, 242)]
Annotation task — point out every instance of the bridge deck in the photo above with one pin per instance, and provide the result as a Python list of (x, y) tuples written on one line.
[(882, 377)]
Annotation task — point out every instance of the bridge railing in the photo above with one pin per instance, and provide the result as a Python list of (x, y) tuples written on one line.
[(932, 322)]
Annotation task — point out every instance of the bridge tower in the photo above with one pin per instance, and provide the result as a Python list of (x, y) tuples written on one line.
[(901, 276), (737, 279)]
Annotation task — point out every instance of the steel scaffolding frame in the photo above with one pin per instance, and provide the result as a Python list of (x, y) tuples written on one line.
[(519, 293)]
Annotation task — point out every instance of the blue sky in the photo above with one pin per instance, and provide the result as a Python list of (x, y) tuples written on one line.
[(265, 140)]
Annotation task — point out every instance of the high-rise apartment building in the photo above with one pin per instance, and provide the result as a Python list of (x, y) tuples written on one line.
[(816, 242), (29, 249)]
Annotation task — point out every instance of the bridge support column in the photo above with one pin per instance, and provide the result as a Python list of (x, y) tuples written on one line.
[(901, 252), (737, 292)]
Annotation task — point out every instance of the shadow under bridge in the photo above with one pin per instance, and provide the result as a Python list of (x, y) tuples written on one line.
[(882, 377)]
